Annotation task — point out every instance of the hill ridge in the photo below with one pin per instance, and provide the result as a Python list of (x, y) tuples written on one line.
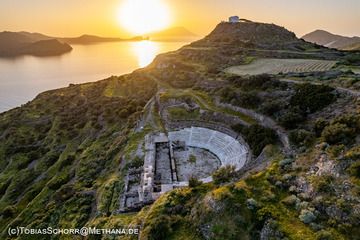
[(328, 39)]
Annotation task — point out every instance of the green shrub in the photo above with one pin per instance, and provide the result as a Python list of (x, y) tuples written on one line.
[(4, 185), (350, 120), (194, 182), (355, 169), (224, 174), (20, 181), (21, 161), (319, 126), (324, 235), (228, 94), (59, 180), (292, 117), (338, 133), (106, 202), (311, 98), (286, 161), (256, 82), (301, 137), (257, 136), (137, 162), (237, 97), (352, 59), (192, 158), (252, 204), (160, 229), (8, 212), (324, 184), (67, 161), (270, 108), (247, 99), (51, 158), (266, 212), (307, 216), (291, 200), (336, 150), (182, 113), (77, 210)]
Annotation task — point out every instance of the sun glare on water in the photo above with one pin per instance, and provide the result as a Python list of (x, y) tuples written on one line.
[(145, 52), (144, 16)]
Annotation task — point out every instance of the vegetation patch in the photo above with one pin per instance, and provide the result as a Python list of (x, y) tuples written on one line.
[(183, 114), (257, 137), (311, 98)]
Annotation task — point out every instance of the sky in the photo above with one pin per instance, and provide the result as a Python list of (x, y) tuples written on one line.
[(75, 17)]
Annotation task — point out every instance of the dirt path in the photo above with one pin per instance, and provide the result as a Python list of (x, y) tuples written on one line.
[(147, 117)]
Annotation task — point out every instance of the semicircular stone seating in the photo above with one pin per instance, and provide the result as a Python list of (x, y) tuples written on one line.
[(226, 148)]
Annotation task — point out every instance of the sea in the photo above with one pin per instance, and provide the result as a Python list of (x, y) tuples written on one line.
[(24, 77)]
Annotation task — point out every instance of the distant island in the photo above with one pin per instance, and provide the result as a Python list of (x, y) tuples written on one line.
[(25, 43), (172, 34), (331, 40), (91, 39), (37, 44)]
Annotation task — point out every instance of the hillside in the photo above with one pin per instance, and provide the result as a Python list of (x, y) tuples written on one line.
[(330, 40), (75, 156)]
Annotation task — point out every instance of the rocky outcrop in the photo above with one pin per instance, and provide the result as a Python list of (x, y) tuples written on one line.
[(252, 35)]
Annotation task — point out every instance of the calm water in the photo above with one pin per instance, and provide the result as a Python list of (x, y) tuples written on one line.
[(21, 79)]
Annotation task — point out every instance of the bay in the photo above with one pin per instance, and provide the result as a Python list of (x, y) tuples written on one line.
[(22, 78)]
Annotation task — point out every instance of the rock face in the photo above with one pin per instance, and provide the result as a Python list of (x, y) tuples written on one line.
[(261, 35)]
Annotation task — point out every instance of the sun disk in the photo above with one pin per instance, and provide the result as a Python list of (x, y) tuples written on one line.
[(144, 16)]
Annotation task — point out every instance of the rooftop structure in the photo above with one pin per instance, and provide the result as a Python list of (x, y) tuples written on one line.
[(234, 19)]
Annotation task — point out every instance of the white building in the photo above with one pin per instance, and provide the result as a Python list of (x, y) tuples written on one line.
[(234, 19)]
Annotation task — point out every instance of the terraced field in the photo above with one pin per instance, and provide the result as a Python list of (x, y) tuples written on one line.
[(275, 66)]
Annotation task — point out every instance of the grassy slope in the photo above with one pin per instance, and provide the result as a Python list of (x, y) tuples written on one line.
[(60, 154)]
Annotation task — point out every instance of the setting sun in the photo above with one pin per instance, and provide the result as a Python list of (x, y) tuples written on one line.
[(144, 16)]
